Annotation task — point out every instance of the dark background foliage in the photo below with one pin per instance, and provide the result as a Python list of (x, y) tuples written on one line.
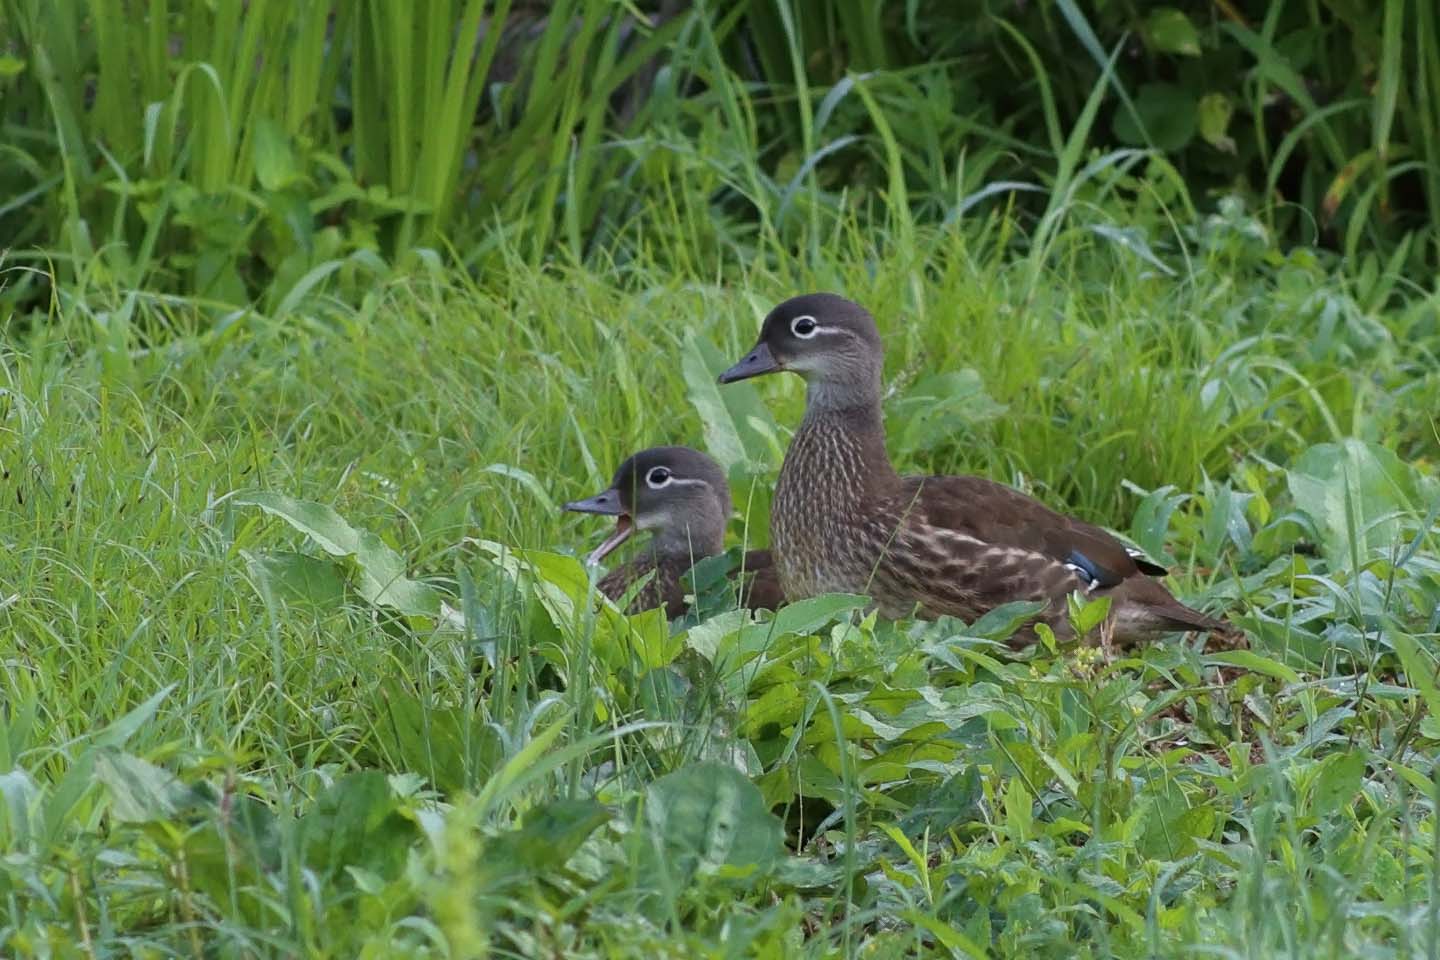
[(229, 150)]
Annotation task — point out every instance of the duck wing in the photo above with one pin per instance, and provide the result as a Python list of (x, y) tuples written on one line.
[(1008, 546), (762, 581), (998, 520), (661, 590)]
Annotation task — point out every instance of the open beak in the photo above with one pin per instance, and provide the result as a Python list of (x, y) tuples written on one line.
[(606, 504), (757, 362)]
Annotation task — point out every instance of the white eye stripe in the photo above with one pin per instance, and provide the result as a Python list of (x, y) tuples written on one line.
[(657, 478)]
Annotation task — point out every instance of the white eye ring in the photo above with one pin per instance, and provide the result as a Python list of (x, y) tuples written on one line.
[(795, 326), (658, 477)]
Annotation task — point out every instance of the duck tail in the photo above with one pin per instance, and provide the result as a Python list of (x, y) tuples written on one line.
[(1151, 609), (1188, 618)]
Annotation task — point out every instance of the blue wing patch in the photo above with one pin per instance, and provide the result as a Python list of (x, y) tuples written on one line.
[(1092, 573)]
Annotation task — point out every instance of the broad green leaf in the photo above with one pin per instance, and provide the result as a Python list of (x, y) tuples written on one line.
[(139, 790), (1170, 31), (780, 705), (1420, 782), (1019, 806), (449, 745), (299, 578), (1000, 623), (1169, 115), (1047, 637), (538, 755), (561, 582), (1226, 518), (856, 725), (708, 581), (379, 571), (1321, 730), (937, 409), (666, 694), (819, 780), (706, 817), (903, 842), (20, 819), (1337, 782), (1356, 493), (954, 706), (1172, 823), (1066, 778), (710, 637), (1151, 523), (710, 572), (563, 587), (958, 800), (275, 165), (730, 640), (1254, 662), (356, 823), (1216, 109), (952, 939), (67, 794), (738, 426), (1420, 669), (808, 615), (1022, 761), (1086, 613), (752, 488), (547, 838)]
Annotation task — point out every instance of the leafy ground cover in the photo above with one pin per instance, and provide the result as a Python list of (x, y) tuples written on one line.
[(299, 658)]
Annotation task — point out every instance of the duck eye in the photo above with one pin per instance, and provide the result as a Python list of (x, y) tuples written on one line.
[(804, 327), (657, 477)]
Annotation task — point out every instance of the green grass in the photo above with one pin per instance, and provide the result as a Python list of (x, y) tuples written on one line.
[(207, 753)]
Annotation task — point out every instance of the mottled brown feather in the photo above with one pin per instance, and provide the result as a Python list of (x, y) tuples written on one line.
[(760, 587), (762, 582)]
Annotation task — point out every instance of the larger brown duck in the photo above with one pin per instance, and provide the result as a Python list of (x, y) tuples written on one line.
[(681, 496), (843, 520)]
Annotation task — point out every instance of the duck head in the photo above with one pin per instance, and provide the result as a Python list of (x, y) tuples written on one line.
[(831, 342), (678, 494)]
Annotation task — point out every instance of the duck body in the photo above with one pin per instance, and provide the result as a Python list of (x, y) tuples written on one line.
[(843, 519), (680, 497), (756, 579)]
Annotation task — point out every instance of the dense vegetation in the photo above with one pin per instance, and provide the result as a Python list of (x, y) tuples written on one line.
[(230, 150), (314, 313)]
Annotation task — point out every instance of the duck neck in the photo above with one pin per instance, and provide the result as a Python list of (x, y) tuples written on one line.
[(703, 535), (845, 426)]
